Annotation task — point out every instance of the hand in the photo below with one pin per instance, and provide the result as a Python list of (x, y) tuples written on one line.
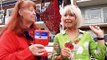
[(65, 52), (37, 49), (97, 31)]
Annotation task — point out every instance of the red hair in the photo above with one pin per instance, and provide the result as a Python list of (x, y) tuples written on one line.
[(15, 23)]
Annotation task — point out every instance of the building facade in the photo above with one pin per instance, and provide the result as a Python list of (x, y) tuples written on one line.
[(94, 13)]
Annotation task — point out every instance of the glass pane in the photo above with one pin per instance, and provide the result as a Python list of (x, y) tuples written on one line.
[(2, 17), (41, 7), (93, 15)]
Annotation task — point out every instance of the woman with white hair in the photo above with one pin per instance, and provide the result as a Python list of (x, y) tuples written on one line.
[(74, 44)]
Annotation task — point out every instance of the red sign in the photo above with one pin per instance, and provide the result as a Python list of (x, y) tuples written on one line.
[(42, 37)]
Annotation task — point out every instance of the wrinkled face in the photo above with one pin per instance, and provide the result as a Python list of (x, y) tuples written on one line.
[(28, 14), (69, 20)]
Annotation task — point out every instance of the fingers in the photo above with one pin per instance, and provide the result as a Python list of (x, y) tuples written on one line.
[(37, 49), (94, 27), (97, 30), (65, 52), (40, 52), (39, 45)]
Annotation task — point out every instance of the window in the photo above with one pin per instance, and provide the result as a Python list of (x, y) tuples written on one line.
[(93, 15), (105, 14), (38, 8), (47, 4), (2, 17), (9, 12)]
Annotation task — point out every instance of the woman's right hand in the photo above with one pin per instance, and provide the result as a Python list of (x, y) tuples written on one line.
[(37, 49), (65, 52)]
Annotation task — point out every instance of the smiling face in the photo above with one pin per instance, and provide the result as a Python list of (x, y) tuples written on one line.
[(69, 19)]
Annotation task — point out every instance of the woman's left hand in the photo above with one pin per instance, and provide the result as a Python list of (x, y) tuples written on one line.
[(97, 30)]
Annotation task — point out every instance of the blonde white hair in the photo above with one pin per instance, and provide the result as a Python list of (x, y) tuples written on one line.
[(74, 10)]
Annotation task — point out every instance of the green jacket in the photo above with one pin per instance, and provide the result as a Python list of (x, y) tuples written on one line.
[(82, 49)]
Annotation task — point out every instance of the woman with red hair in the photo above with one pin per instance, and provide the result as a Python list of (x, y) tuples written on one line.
[(17, 38)]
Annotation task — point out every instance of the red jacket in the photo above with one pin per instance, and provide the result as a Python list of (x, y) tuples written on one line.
[(14, 47)]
